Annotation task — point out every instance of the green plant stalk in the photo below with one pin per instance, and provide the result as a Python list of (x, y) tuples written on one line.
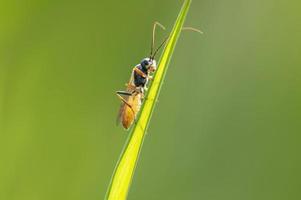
[(123, 173)]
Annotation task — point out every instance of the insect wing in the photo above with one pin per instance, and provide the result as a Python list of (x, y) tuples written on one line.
[(121, 111)]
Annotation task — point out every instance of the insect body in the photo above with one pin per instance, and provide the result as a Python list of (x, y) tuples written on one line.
[(133, 96)]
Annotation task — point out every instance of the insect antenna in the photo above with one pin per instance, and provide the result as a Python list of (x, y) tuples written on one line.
[(153, 36), (184, 28), (192, 29), (161, 45)]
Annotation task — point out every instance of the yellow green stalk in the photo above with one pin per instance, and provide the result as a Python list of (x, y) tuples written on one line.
[(125, 168)]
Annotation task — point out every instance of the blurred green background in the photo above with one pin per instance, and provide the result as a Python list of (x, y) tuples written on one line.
[(227, 125)]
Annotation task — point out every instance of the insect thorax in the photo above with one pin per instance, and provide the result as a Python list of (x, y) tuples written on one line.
[(140, 77)]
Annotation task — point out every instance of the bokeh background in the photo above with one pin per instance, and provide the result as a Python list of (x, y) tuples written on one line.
[(227, 125)]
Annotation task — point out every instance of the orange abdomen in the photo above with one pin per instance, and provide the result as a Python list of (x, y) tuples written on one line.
[(129, 114)]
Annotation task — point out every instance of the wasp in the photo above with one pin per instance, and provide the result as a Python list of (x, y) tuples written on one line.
[(141, 74)]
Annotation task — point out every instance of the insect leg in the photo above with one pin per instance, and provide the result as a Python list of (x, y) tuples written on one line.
[(124, 93)]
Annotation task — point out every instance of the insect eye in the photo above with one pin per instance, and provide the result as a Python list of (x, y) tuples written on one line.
[(146, 63)]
